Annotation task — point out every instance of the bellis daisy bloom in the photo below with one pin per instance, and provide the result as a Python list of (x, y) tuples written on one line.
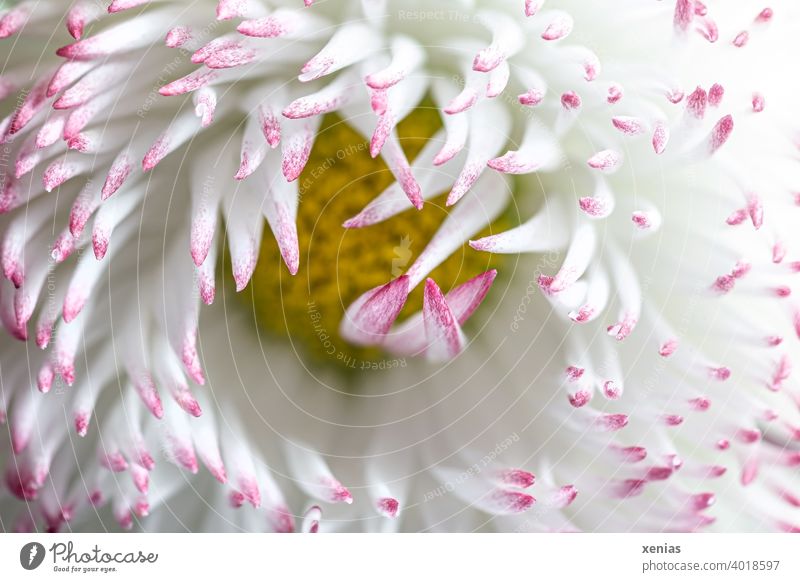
[(389, 265)]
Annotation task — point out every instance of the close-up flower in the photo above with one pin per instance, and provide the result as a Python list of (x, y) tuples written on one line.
[(399, 265)]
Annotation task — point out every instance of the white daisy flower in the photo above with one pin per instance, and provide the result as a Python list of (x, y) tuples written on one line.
[(536, 265)]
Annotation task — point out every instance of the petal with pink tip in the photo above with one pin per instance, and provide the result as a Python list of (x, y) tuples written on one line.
[(445, 340), (369, 318)]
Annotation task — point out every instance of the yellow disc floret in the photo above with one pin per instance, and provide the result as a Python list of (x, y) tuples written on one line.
[(337, 264)]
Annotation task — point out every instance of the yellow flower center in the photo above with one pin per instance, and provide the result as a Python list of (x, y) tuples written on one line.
[(337, 264)]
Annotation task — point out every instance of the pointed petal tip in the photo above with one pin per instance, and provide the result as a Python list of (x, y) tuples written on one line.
[(81, 424), (189, 404), (369, 319), (480, 244), (388, 507)]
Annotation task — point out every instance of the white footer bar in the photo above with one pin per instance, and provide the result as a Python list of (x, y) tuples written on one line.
[(415, 557)]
